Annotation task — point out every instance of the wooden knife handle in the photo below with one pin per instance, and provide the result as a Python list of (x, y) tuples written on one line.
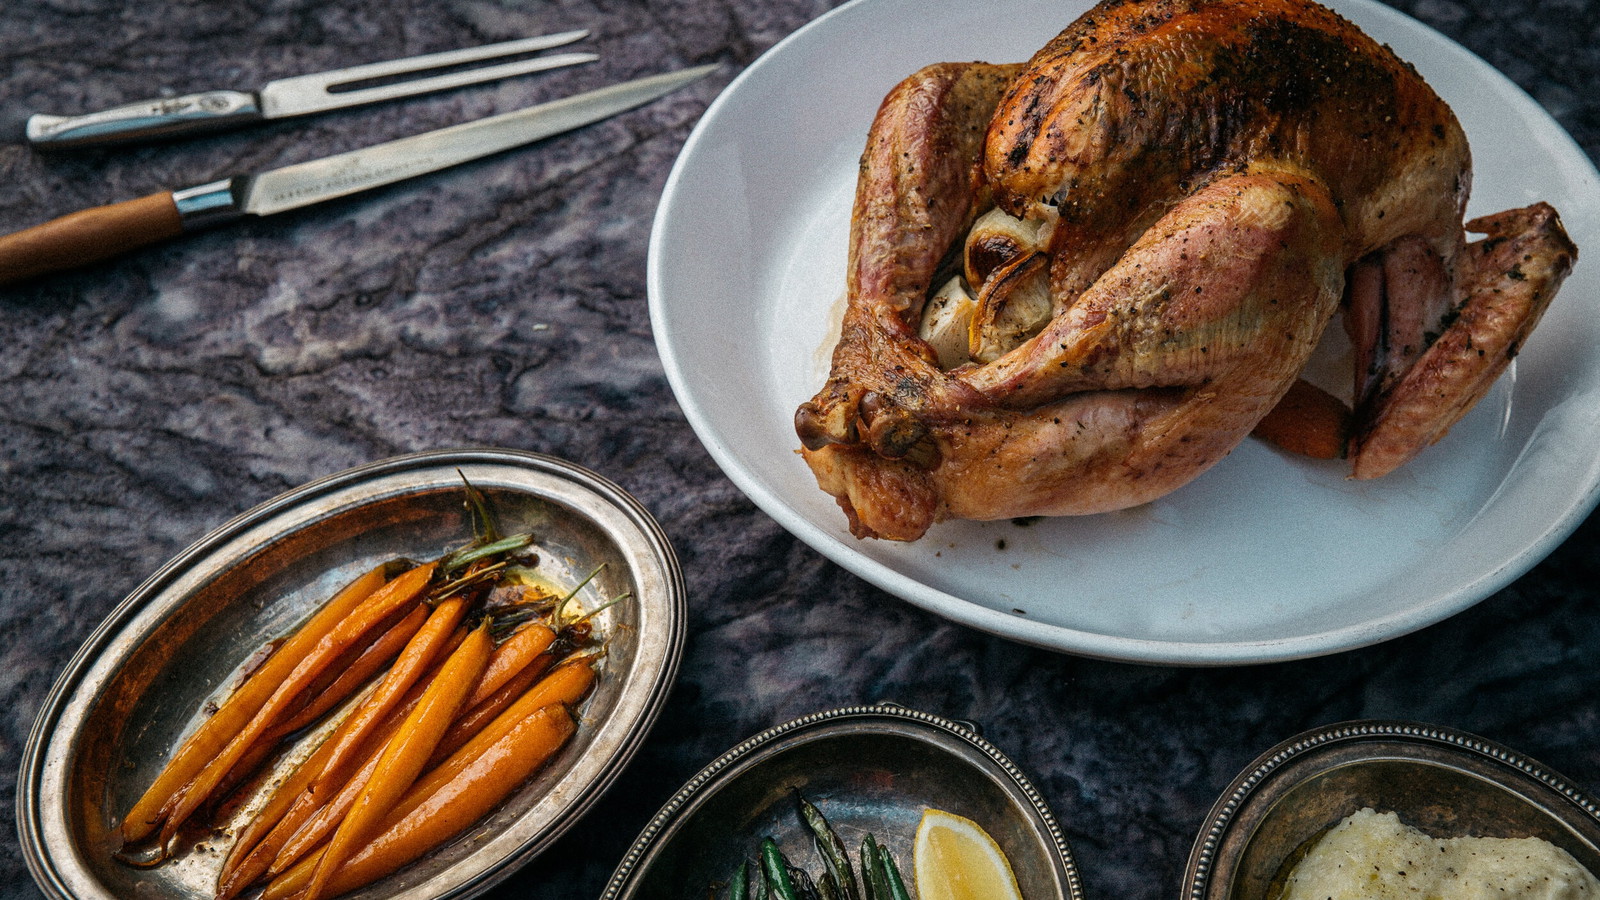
[(88, 236)]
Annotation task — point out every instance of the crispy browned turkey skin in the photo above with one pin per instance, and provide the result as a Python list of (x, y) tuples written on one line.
[(1150, 224)]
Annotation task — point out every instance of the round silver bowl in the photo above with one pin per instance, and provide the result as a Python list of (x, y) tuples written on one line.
[(1445, 783), (870, 769), (142, 679)]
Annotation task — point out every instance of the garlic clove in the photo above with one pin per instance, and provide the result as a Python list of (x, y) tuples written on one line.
[(998, 239), (1013, 306), (946, 323)]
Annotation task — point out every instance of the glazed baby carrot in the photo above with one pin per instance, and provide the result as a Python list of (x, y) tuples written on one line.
[(384, 602), (440, 814), (419, 653), (282, 805), (322, 782), (566, 686), (316, 814), (378, 654), (475, 717), (514, 654), (326, 818), (301, 820), (341, 685), (336, 685), (143, 819), (407, 751), (567, 683), (447, 811)]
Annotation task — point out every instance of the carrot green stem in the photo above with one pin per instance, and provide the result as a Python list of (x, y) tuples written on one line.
[(468, 555), (561, 607)]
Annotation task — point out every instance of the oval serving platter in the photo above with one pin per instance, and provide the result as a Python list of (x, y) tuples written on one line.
[(1445, 783), (141, 681), (869, 769)]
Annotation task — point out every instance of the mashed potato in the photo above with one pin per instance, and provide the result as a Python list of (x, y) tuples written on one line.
[(1372, 856)]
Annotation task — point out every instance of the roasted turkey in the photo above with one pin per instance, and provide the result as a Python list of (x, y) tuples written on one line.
[(1077, 283)]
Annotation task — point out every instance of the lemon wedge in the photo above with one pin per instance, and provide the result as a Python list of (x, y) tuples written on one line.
[(955, 859)]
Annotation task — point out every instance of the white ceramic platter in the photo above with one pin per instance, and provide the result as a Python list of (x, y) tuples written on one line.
[(1265, 557)]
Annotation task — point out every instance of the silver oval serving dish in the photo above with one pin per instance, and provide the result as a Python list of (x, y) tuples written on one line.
[(142, 679), (1445, 783), (869, 769)]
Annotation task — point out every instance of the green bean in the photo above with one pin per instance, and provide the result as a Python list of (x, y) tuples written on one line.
[(891, 875), (828, 887), (834, 854), (869, 882), (741, 882), (775, 869)]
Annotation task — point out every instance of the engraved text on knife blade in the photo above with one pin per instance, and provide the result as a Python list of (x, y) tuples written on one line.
[(351, 177)]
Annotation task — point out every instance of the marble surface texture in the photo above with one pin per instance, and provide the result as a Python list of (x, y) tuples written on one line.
[(147, 400)]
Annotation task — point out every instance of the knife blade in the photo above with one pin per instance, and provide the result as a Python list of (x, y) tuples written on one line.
[(102, 232), (300, 95)]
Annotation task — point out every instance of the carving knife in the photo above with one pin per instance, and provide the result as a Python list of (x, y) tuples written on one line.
[(101, 232), (302, 94)]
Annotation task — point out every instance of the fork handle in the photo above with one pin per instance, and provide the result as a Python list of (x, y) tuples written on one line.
[(88, 236), (189, 114)]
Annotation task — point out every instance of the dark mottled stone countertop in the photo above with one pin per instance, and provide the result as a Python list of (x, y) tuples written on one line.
[(147, 400)]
